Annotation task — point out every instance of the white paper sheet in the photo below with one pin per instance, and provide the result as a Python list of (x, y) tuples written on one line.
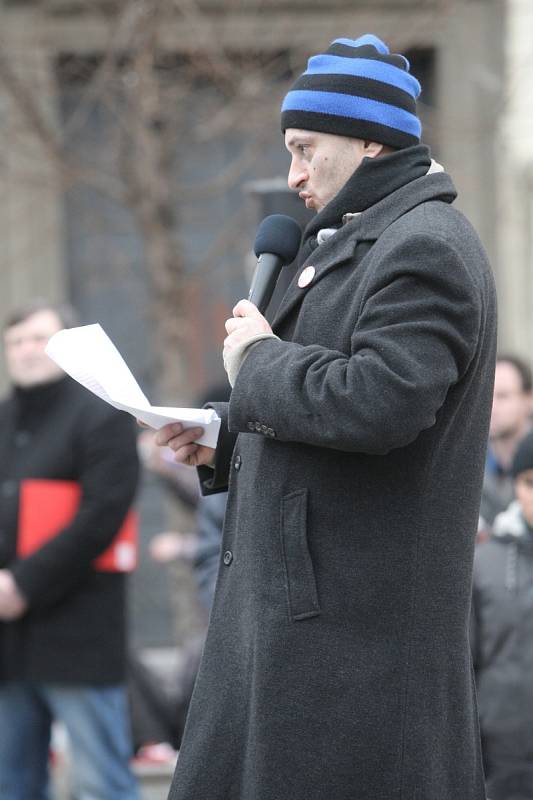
[(89, 356)]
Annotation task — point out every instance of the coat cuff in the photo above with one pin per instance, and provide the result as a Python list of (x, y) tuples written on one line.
[(233, 360), (215, 478)]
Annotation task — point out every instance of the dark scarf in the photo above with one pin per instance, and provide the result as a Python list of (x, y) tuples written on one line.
[(33, 401), (374, 179)]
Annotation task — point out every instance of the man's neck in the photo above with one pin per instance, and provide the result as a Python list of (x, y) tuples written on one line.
[(374, 179)]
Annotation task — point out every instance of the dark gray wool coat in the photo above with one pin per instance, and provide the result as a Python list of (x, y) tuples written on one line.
[(337, 664)]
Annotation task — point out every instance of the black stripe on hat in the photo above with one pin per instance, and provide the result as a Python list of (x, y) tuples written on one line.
[(359, 87), (366, 51), (347, 126)]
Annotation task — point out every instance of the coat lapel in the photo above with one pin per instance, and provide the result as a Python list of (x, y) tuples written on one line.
[(324, 259), (366, 227)]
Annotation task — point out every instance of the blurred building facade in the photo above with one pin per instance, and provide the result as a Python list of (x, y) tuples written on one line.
[(477, 62)]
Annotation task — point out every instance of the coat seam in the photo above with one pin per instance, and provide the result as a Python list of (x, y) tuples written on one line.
[(407, 670)]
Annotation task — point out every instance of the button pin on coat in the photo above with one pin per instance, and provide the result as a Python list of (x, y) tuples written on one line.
[(306, 277)]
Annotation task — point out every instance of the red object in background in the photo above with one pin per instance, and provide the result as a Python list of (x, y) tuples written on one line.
[(46, 507)]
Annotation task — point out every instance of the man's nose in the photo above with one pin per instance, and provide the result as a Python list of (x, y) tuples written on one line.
[(297, 175)]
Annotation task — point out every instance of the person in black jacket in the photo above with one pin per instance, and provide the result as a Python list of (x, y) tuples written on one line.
[(62, 619), (502, 640)]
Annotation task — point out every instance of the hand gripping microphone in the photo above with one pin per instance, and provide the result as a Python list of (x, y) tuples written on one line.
[(276, 244)]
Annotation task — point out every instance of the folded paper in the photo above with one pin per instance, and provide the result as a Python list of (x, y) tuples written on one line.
[(89, 356)]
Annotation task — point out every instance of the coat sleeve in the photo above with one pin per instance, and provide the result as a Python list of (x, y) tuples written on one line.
[(412, 339), (215, 479), (108, 466)]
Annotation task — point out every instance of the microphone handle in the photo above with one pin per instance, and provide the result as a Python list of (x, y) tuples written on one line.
[(264, 281)]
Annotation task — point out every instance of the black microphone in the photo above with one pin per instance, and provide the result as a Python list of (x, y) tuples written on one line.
[(276, 244)]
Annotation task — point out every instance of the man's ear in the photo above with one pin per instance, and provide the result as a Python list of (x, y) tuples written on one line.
[(372, 149)]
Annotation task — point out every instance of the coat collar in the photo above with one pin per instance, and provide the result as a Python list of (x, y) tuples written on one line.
[(376, 219), (23, 406), (367, 227)]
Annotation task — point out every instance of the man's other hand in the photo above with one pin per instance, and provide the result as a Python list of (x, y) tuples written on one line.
[(182, 442)]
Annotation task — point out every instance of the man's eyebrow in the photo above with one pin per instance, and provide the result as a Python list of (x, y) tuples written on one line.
[(298, 140)]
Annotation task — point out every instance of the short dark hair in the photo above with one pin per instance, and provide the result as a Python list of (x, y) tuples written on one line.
[(66, 313), (521, 366)]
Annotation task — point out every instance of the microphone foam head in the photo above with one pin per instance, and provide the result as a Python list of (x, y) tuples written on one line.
[(280, 235)]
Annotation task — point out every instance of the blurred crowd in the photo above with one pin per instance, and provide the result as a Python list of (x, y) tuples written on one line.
[(68, 539), (502, 601), (64, 652)]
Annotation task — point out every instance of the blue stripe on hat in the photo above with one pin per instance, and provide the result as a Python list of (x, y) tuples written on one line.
[(367, 38), (364, 68), (345, 105)]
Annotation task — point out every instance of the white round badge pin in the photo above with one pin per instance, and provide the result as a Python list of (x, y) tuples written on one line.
[(306, 277)]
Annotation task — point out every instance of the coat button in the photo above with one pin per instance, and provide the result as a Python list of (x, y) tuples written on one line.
[(228, 558), (237, 463)]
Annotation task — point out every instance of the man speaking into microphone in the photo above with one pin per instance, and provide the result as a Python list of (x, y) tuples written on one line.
[(337, 664)]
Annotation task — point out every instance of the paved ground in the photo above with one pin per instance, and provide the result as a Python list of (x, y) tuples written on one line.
[(154, 781)]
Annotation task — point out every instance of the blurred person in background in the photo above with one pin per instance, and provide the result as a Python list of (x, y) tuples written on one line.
[(202, 547), (510, 421), (62, 619), (502, 639), (158, 716)]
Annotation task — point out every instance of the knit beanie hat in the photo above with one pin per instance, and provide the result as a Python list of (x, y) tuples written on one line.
[(356, 89), (523, 458)]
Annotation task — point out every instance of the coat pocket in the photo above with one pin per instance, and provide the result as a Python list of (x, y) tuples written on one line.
[(299, 574)]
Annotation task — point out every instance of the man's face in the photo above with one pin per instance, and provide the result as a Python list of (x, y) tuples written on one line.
[(24, 343), (524, 494), (511, 405), (321, 164)]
